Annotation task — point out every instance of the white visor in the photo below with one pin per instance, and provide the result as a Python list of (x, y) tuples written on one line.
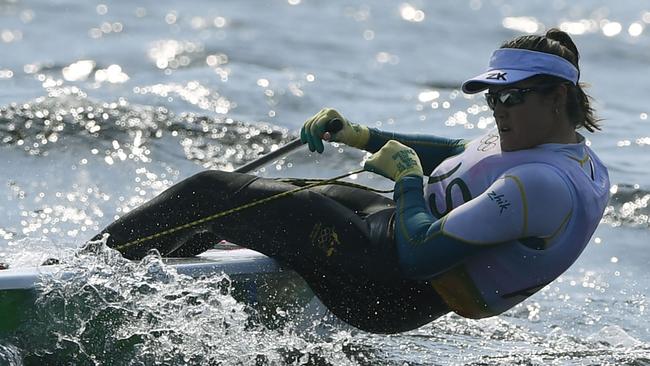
[(511, 65)]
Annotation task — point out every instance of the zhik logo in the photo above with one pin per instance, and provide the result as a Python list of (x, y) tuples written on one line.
[(500, 200), (497, 76)]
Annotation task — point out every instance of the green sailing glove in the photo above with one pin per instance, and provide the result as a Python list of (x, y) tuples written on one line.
[(394, 161), (315, 130)]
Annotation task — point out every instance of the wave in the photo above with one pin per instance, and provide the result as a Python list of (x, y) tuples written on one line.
[(67, 116), (628, 206)]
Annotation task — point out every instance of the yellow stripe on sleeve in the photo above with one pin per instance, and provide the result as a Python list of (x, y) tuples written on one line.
[(524, 201), (547, 241)]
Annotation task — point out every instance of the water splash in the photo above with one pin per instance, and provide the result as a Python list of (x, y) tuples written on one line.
[(31, 251), (10, 355), (103, 309)]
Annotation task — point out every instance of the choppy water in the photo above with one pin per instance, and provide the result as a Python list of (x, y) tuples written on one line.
[(105, 104)]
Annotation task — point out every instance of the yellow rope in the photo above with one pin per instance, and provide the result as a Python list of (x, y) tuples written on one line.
[(236, 209), (300, 181)]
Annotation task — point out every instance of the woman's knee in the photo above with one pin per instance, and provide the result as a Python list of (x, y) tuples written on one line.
[(217, 182), (207, 178)]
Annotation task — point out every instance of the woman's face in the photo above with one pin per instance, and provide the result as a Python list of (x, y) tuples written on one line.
[(527, 124)]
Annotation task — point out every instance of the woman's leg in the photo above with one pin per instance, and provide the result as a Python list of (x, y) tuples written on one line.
[(348, 262), (288, 227), (185, 202)]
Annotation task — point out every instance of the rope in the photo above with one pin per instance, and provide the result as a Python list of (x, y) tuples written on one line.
[(240, 208), (300, 182)]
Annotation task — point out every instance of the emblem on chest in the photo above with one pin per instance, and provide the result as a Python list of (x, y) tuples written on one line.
[(447, 196)]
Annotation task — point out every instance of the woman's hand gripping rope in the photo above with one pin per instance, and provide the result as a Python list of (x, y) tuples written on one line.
[(394, 161)]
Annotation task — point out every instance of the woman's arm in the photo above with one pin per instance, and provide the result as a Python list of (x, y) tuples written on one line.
[(431, 150)]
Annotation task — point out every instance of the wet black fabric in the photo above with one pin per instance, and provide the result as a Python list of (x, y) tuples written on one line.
[(338, 238)]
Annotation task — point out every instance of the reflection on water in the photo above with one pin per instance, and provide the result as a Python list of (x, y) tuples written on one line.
[(123, 131), (628, 205), (106, 104)]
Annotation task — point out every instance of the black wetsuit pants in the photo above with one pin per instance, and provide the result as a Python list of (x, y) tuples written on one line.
[(338, 238)]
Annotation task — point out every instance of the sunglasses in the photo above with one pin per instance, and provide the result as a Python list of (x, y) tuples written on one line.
[(512, 96)]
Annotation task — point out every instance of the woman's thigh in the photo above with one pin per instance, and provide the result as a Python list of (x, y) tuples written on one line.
[(348, 261)]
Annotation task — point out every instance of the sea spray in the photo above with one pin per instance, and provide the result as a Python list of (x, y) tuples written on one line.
[(103, 309)]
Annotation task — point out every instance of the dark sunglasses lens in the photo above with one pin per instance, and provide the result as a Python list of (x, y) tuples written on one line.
[(491, 100), (511, 97), (507, 97)]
